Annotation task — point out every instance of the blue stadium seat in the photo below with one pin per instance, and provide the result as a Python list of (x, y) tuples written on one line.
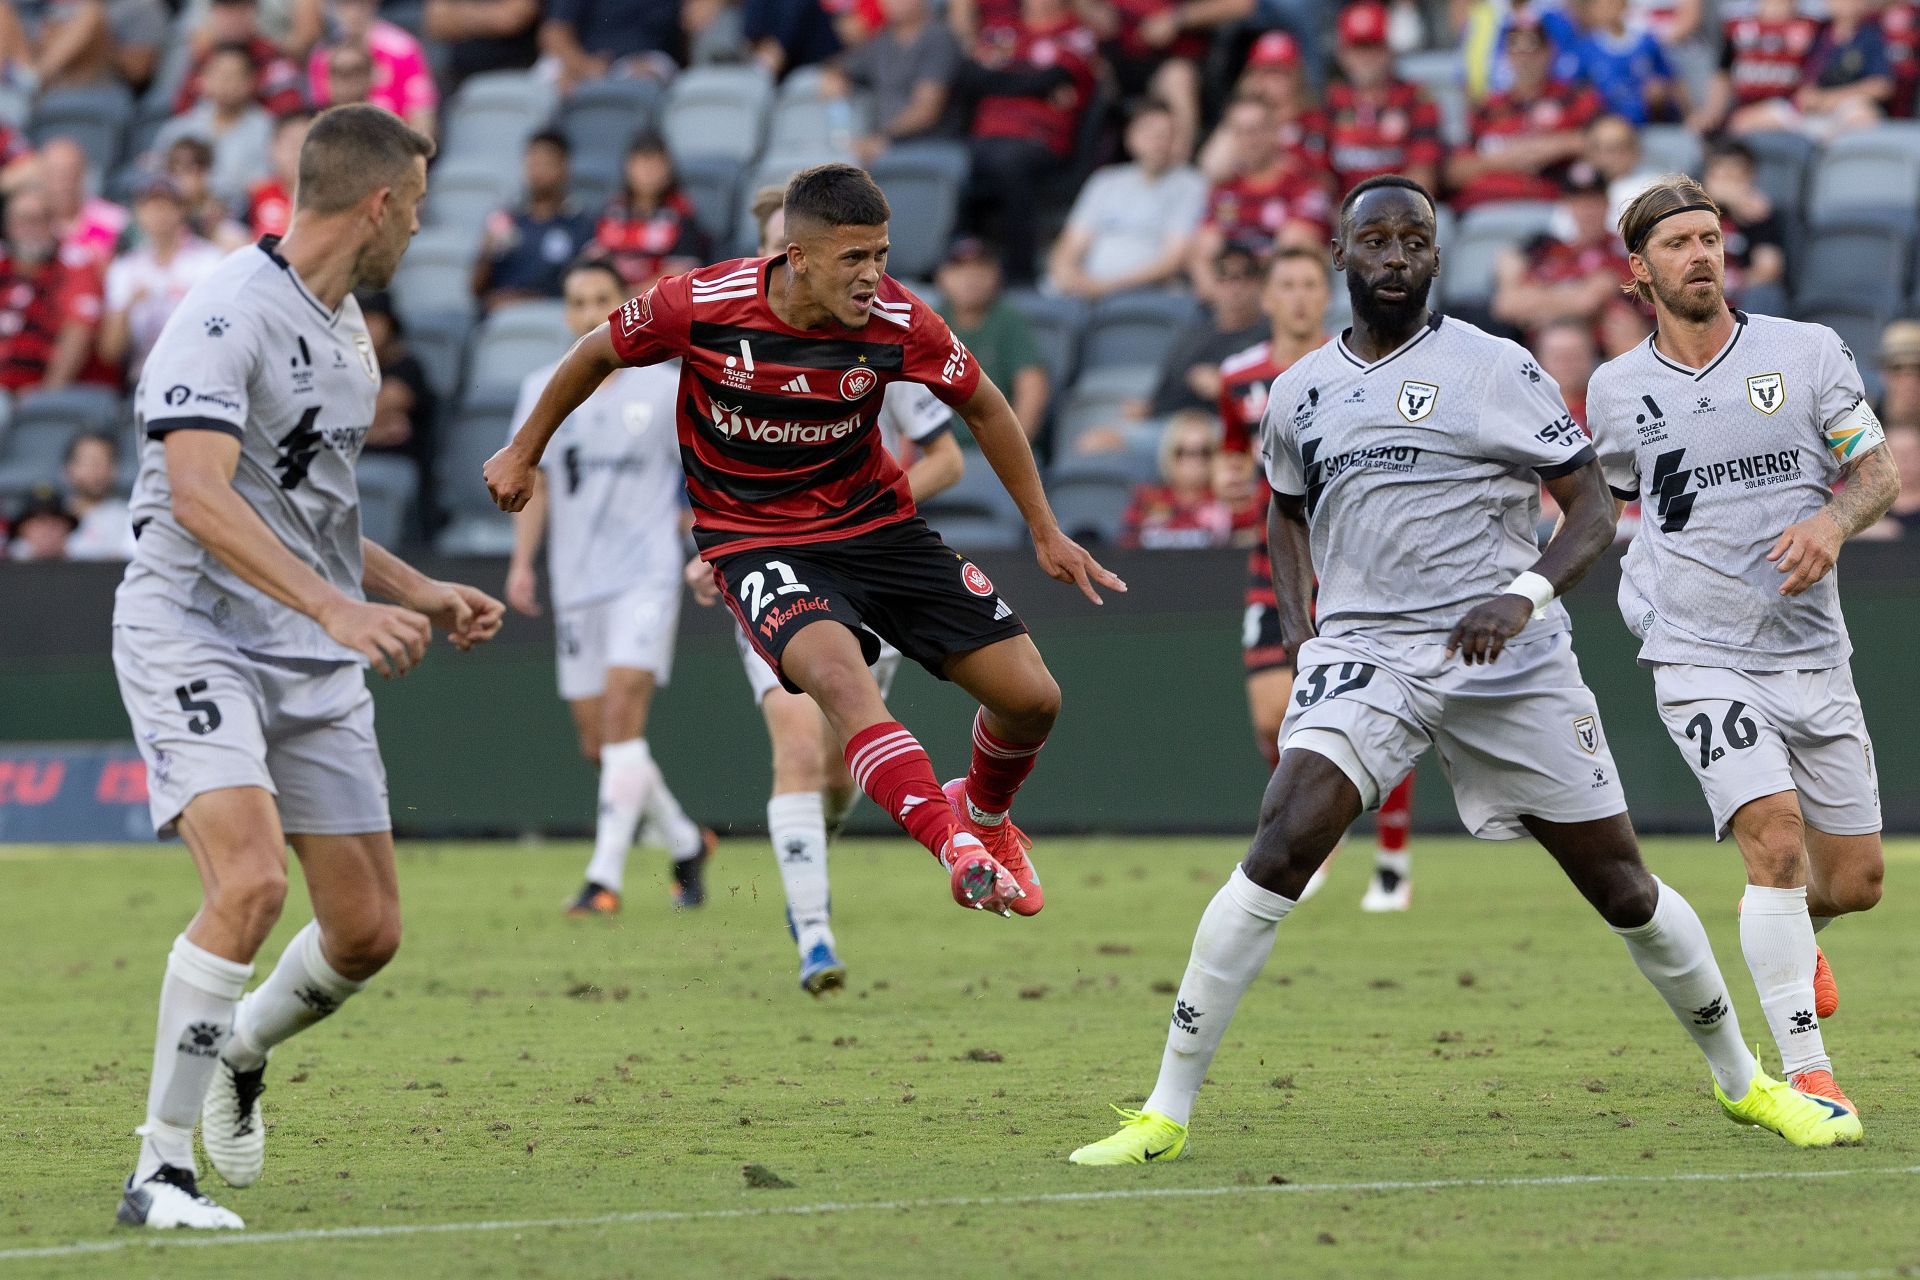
[(803, 119), (388, 484), (474, 434), (35, 441), (601, 117), (1467, 260), (1869, 176), (712, 184), (923, 182), (438, 339), (1088, 404), (1859, 328), (1056, 323), (976, 512), (514, 341), (773, 170), (1442, 73), (717, 111), (1863, 267), (1782, 159), (1135, 330), (494, 113), (435, 278), (1091, 508), (1671, 148), (463, 191), (95, 116)]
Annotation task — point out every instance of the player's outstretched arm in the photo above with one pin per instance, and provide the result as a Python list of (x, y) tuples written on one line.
[(509, 473), (1587, 521), (529, 527), (200, 466), (467, 614), (1004, 445), (1292, 559), (1807, 551)]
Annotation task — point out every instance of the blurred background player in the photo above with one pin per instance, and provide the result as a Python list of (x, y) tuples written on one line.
[(1731, 590), (813, 793), (608, 492), (240, 633), (1295, 301), (1403, 457), (810, 523)]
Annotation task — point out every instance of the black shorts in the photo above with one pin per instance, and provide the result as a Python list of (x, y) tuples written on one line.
[(1260, 645), (900, 583)]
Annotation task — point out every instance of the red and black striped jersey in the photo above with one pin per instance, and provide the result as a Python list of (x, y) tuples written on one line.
[(1245, 379), (778, 426)]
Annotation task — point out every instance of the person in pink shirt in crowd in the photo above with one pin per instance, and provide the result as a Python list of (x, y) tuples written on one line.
[(89, 226), (402, 81)]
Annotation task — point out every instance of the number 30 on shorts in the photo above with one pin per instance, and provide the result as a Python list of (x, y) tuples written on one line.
[(1348, 675), (753, 588)]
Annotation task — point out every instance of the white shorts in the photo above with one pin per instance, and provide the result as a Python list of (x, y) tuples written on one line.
[(634, 629), (1519, 736), (207, 716), (763, 681), (1747, 734)]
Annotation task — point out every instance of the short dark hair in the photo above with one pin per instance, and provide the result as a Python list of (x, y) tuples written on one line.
[(594, 262), (647, 142), (1380, 182), (82, 437), (836, 195), (550, 138), (353, 151), (1733, 149)]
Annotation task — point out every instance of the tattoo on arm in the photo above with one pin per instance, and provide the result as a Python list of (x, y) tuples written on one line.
[(1872, 483)]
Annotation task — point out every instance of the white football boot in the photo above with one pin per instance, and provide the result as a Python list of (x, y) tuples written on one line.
[(230, 1125), (171, 1198)]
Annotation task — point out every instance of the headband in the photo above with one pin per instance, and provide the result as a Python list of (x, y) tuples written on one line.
[(1685, 208)]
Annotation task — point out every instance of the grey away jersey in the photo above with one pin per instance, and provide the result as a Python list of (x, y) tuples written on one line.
[(1421, 473), (613, 485), (250, 352), (1723, 459)]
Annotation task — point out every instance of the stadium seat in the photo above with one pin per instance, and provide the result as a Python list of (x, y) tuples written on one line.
[(1056, 324), (1859, 328), (711, 182), (494, 113), (1861, 267), (1442, 74), (1089, 404), (35, 441), (1869, 176), (773, 170), (1671, 148), (601, 117), (1782, 158), (438, 339), (514, 341), (976, 511), (95, 116), (461, 193), (475, 526), (1135, 330), (388, 484), (1467, 264), (923, 182), (436, 275), (802, 118), (717, 111), (1091, 508)]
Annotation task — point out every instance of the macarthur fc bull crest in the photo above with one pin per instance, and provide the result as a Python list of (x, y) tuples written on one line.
[(1586, 732), (1766, 393), (1416, 400)]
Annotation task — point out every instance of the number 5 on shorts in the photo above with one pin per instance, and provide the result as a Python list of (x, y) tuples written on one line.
[(203, 717)]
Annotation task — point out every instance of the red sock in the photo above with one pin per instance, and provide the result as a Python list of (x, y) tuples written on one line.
[(998, 768), (1395, 817), (890, 767)]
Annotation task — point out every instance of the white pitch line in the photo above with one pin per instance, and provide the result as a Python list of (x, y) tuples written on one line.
[(1871, 1273), (197, 1240)]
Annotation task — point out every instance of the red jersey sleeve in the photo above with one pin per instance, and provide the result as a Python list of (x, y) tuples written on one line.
[(654, 327), (77, 300), (935, 358), (1423, 131)]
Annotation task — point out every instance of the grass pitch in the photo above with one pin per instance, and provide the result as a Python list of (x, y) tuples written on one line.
[(1483, 1087)]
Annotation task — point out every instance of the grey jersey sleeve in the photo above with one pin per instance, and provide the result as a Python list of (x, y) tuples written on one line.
[(1279, 448), (1848, 426), (1524, 422), (198, 374), (1611, 425), (915, 413)]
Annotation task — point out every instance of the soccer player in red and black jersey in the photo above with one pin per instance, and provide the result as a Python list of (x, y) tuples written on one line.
[(1296, 302), (809, 524)]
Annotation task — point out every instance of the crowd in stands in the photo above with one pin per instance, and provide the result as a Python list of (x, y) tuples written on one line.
[(1111, 181)]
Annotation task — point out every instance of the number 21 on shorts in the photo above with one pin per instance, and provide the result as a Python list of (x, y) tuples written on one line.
[(753, 588)]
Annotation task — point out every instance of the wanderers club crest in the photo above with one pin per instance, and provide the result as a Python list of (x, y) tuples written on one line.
[(1766, 393), (1416, 400)]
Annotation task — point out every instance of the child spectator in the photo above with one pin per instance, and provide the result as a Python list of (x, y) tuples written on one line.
[(649, 229)]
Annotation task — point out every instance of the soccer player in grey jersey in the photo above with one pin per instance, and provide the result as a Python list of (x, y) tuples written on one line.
[(239, 633), (1732, 430), (1405, 459)]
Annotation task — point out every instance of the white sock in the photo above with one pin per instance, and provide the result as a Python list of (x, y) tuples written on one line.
[(796, 823), (197, 1000), (302, 989), (1777, 937), (1229, 949), (1673, 952), (627, 778), (680, 834)]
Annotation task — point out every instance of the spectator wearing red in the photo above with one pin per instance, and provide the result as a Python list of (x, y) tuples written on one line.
[(270, 203), (971, 19), (402, 81), (276, 79), (649, 229), (1156, 48), (1377, 123), (1274, 75), (1760, 58), (89, 227), (1900, 27), (1266, 202), (1030, 87), (1523, 138), (1555, 279), (1181, 511), (49, 302)]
